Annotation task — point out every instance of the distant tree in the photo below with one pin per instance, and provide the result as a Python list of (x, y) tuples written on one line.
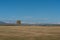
[(18, 22)]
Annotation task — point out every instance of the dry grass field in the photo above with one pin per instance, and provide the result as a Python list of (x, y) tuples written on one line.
[(29, 33)]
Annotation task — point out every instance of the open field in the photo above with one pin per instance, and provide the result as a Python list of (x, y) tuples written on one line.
[(29, 33)]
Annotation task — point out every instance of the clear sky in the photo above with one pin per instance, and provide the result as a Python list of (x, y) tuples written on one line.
[(34, 10)]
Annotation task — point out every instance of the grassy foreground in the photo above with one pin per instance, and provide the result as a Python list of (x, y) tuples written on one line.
[(29, 33)]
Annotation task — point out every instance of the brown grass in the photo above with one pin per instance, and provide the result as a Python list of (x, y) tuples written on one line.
[(29, 33)]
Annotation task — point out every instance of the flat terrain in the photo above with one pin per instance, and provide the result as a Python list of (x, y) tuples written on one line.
[(29, 32)]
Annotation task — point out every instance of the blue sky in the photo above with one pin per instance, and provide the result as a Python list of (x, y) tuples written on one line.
[(44, 11)]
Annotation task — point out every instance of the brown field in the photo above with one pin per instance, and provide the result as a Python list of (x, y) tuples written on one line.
[(29, 32)]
